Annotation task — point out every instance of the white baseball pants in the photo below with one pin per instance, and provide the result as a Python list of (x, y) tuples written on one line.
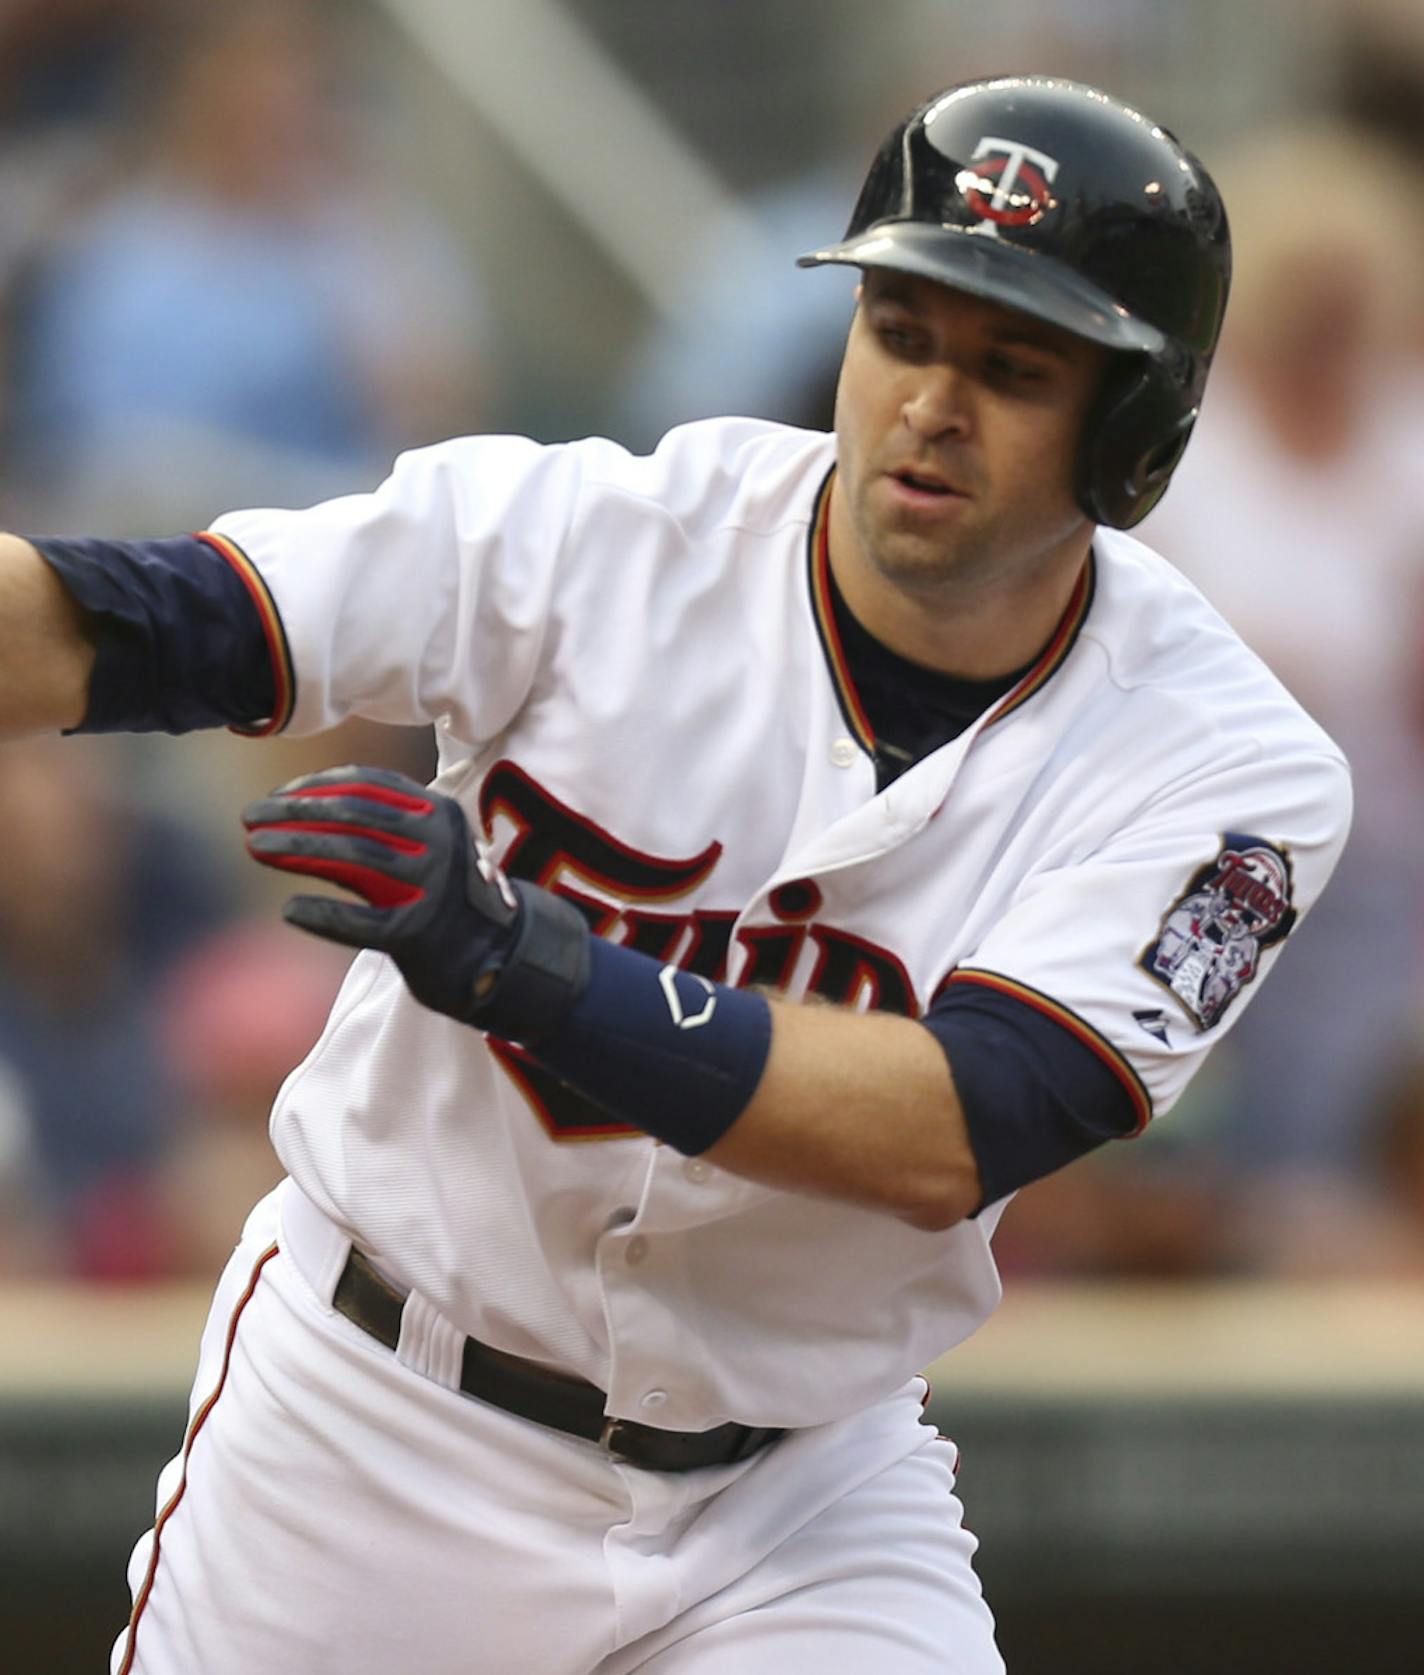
[(335, 1513)]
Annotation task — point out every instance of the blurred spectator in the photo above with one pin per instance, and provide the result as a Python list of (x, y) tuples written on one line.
[(234, 1018), (1161, 1206), (1299, 511), (69, 74), (69, 63), (1398, 1152), (1097, 1220), (28, 1239), (97, 901), (1367, 1226), (1379, 69), (250, 317), (759, 336)]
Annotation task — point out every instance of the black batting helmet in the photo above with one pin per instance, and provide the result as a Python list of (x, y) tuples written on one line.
[(1052, 198)]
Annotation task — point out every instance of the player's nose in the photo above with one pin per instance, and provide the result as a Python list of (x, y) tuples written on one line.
[(938, 402)]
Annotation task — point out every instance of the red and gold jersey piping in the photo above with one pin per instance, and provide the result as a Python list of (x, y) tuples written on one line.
[(820, 551), (284, 683), (1055, 653), (1045, 666)]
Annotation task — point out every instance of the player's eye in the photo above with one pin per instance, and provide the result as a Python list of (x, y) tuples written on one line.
[(898, 337), (1013, 370)]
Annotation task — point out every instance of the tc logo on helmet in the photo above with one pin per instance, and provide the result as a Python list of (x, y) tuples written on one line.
[(1010, 188)]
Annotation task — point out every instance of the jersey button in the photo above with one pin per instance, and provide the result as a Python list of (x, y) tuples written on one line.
[(654, 1398), (637, 1250), (696, 1170), (844, 752)]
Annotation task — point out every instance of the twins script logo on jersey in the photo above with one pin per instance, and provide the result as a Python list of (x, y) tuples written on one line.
[(1010, 187), (1210, 943), (637, 898)]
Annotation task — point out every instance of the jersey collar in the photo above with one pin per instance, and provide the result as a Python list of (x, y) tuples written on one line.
[(1044, 667), (820, 555)]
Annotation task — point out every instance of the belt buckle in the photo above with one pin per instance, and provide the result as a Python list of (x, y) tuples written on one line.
[(608, 1438)]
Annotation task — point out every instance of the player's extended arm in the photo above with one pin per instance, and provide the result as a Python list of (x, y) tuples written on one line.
[(46, 653), (861, 1107), (809, 1098)]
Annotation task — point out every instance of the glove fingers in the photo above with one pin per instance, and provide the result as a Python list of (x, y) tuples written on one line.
[(356, 863), (381, 785), (395, 826), (338, 921), (317, 841)]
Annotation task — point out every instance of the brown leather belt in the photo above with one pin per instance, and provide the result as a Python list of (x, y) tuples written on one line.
[(548, 1398)]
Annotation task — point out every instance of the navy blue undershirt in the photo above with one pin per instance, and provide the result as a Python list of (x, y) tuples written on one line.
[(180, 646), (1034, 1096), (913, 710), (179, 642)]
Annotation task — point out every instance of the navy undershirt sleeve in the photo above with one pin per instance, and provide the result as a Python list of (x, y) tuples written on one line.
[(1034, 1096), (180, 641)]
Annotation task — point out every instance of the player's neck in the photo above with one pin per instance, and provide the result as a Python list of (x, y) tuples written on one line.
[(976, 632)]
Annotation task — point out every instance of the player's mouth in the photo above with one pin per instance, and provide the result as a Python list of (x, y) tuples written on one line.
[(924, 489)]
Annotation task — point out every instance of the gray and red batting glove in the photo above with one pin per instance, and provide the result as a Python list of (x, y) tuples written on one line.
[(506, 957)]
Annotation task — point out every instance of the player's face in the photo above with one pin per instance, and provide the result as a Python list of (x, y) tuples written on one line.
[(958, 423)]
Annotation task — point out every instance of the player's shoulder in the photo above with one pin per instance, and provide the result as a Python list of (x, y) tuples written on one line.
[(1166, 643), (751, 473)]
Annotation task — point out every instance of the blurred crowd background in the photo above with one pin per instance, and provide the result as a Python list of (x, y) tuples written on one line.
[(250, 249)]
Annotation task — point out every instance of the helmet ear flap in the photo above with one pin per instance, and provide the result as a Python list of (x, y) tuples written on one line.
[(1132, 441)]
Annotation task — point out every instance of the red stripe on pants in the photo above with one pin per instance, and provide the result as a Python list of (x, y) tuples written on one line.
[(199, 1418)]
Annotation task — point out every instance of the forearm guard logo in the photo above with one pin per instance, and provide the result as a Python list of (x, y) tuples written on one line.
[(1210, 943)]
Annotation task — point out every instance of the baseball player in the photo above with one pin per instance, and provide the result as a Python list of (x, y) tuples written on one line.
[(585, 1335)]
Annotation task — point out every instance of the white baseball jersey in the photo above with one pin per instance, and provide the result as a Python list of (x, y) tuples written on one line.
[(639, 697)]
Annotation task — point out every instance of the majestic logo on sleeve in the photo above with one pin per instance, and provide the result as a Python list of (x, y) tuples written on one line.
[(1212, 938), (1010, 186)]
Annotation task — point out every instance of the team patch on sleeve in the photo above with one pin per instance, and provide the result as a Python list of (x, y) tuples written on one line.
[(1212, 937)]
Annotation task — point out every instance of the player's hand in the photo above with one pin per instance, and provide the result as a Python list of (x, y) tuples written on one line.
[(445, 915)]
